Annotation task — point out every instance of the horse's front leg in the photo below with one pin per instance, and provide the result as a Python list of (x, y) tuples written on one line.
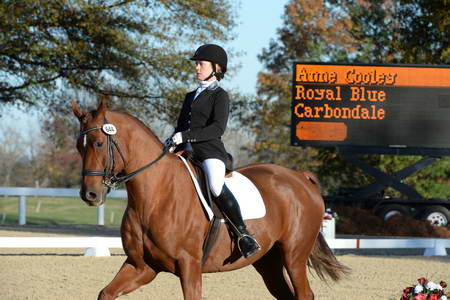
[(128, 279), (190, 273)]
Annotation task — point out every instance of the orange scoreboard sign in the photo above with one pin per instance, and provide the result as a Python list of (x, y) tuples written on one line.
[(393, 106)]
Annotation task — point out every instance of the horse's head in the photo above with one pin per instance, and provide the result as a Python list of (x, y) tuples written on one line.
[(96, 145)]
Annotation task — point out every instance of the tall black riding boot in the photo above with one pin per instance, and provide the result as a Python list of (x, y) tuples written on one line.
[(230, 208)]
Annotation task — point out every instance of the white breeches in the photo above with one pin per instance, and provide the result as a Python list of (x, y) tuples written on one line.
[(215, 171)]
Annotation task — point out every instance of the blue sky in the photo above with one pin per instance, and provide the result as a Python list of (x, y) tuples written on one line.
[(257, 24), (259, 21)]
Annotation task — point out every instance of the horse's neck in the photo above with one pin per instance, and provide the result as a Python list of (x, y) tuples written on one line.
[(152, 192), (143, 147)]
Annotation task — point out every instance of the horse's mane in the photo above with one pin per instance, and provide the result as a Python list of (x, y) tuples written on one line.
[(139, 123), (135, 120)]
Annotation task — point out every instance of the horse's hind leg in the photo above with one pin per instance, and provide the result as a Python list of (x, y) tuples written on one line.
[(270, 267), (295, 262), (127, 280)]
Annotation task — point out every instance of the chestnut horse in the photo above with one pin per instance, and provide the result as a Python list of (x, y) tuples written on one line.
[(164, 225)]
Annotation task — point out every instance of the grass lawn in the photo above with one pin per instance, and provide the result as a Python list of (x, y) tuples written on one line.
[(56, 211)]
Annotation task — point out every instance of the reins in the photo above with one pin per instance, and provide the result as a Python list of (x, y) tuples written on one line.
[(110, 179), (125, 178)]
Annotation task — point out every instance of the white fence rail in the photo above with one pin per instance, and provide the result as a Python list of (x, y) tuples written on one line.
[(432, 246), (23, 192), (94, 246), (99, 246)]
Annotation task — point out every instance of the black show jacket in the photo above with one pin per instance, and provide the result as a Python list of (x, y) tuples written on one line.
[(203, 121)]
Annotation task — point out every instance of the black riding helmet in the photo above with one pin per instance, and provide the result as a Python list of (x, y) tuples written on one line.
[(214, 54)]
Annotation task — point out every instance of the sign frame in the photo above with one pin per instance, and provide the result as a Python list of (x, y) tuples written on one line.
[(394, 148)]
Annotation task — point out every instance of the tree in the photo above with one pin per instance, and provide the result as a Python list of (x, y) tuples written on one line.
[(378, 31), (134, 50), (402, 31), (311, 31), (58, 163), (12, 148)]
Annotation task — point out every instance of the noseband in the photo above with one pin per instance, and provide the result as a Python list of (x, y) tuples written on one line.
[(111, 179)]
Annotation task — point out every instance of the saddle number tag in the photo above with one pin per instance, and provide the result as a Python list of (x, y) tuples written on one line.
[(109, 129)]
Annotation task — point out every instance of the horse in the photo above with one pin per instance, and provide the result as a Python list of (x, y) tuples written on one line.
[(164, 225)]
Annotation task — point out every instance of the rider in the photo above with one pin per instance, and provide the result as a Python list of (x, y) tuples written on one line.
[(201, 124)]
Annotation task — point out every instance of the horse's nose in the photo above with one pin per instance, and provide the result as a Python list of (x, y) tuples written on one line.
[(91, 196)]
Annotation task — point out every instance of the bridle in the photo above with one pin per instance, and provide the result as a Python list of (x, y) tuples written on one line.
[(111, 179)]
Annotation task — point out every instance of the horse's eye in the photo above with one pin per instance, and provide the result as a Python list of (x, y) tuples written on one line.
[(98, 144)]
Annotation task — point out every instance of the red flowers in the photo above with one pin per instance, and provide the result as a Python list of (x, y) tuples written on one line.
[(433, 297), (420, 297), (425, 290)]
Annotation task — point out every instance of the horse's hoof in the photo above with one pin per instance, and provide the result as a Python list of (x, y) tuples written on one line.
[(103, 296)]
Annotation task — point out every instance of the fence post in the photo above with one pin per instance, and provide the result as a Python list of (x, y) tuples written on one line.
[(328, 228), (438, 249), (101, 214), (22, 210)]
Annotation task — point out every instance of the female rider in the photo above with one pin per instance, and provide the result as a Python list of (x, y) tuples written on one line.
[(201, 124)]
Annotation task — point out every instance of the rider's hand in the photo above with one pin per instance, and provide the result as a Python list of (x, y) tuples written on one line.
[(177, 138), (173, 141)]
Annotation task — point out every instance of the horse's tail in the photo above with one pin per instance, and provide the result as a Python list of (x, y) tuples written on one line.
[(323, 261)]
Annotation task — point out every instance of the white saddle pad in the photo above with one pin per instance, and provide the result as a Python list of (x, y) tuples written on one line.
[(247, 195)]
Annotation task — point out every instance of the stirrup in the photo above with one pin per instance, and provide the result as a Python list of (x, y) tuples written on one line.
[(252, 251)]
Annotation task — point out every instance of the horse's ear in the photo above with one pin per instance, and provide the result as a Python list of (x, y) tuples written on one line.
[(77, 111), (102, 105)]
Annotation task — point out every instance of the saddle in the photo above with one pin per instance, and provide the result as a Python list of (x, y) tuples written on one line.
[(200, 173)]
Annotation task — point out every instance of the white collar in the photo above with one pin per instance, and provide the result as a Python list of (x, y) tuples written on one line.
[(204, 84)]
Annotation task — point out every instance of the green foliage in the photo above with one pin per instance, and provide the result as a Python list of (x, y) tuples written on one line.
[(135, 50), (380, 31), (55, 51), (432, 182), (406, 31)]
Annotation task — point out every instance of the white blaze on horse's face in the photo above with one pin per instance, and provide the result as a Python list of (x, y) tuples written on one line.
[(84, 141)]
